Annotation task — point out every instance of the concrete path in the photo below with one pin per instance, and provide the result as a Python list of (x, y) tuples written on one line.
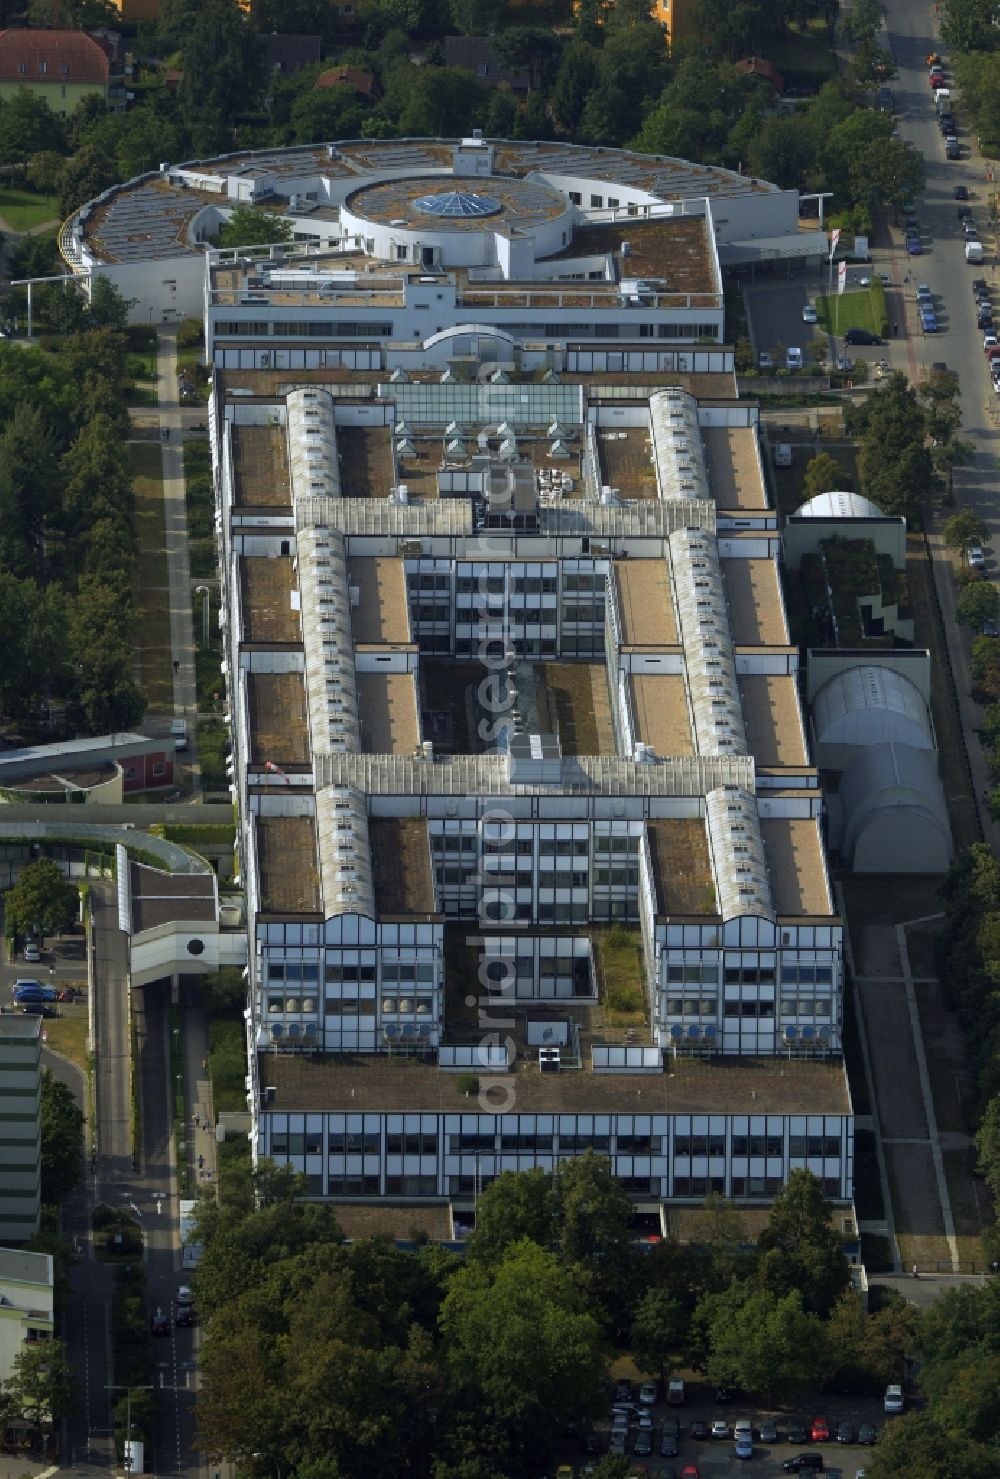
[(175, 521), (201, 1109), (925, 1089)]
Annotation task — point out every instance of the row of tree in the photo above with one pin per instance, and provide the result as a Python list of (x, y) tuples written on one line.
[(67, 534), (909, 443), (329, 1358)]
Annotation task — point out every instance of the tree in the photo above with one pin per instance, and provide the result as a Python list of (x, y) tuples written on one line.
[(800, 1249), (872, 66), (109, 308), (576, 77), (969, 25), (659, 1329), (761, 1342), (948, 455), (595, 1211), (249, 227), (976, 602), (42, 899), (863, 20), (222, 71), (988, 1146), (921, 1448), (517, 1205), (44, 170), (62, 1139), (824, 474), (28, 126), (522, 1330), (42, 1384)]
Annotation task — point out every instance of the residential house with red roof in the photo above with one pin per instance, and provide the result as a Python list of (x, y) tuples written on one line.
[(60, 66)]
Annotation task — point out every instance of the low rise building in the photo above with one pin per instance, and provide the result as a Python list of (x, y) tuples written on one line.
[(27, 1294), (60, 66)]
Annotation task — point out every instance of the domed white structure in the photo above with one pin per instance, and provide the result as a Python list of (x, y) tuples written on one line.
[(866, 706), (840, 505)]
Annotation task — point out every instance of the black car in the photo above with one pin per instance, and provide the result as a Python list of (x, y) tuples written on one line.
[(965, 212), (767, 1432), (797, 1431), (643, 1445), (960, 192), (669, 1471), (844, 1432), (184, 1315), (623, 1390), (38, 1009), (858, 336), (159, 1323), (698, 1429), (590, 1442), (724, 1395), (867, 1433), (669, 1446), (804, 1463)]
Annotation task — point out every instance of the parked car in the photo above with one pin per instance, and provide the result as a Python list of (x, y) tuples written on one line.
[(185, 1317), (793, 358), (617, 1445), (803, 1463), (913, 247), (669, 1443), (32, 952), (960, 192), (724, 1395), (38, 1009), (698, 1430), (648, 1392), (809, 314), (819, 1432), (765, 361), (893, 1401), (720, 1429), (768, 1432), (867, 1433), (861, 336), (845, 1431), (643, 1445), (797, 1431), (623, 1390), (744, 1447), (924, 294)]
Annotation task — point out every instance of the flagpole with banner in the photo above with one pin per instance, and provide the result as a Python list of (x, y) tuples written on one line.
[(834, 238), (841, 285)]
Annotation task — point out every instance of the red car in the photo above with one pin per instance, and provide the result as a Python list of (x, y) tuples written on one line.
[(690, 1471), (820, 1430)]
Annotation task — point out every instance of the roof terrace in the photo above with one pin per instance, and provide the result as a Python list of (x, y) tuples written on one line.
[(267, 584), (287, 865)]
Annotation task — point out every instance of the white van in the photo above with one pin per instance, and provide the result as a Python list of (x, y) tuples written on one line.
[(892, 1402), (675, 1392)]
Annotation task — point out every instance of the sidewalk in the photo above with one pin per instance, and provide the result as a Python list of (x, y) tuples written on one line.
[(201, 1144)]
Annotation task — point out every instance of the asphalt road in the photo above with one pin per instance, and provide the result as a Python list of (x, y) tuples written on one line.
[(911, 35)]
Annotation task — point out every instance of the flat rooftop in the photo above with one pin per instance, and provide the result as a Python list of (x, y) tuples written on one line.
[(733, 467), (260, 467), (83, 776), (577, 695), (387, 707), (266, 586), (624, 457), (645, 603), (674, 251), (682, 869), (493, 202), (287, 864), (418, 471), (756, 610), (382, 1219), (165, 898), (795, 862), (365, 454), (659, 703), (401, 865), (382, 615), (279, 726), (398, 1084), (770, 703)]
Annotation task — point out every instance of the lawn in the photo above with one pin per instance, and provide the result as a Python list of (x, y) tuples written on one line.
[(23, 209), (804, 53), (620, 974), (152, 578), (67, 1033), (847, 311)]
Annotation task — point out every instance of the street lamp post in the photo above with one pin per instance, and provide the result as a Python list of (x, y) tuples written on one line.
[(128, 1418), (206, 594)]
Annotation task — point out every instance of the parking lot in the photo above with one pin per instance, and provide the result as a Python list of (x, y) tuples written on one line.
[(714, 1458)]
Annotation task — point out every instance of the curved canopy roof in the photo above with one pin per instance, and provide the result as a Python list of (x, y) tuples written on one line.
[(888, 780), (866, 705)]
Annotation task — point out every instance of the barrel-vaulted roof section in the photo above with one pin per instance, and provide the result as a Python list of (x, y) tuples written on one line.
[(870, 705)]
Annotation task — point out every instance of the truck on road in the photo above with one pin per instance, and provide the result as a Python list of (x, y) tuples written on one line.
[(942, 101)]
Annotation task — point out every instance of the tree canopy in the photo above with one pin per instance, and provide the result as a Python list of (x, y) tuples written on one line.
[(42, 899)]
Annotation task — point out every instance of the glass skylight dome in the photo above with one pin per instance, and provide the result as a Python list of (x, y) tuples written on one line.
[(449, 204)]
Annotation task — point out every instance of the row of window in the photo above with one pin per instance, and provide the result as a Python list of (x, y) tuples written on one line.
[(366, 1184)]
